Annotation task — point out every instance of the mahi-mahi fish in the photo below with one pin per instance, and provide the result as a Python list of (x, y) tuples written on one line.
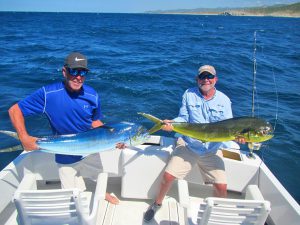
[(95, 140), (252, 129)]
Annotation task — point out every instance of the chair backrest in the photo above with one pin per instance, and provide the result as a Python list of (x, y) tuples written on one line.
[(233, 211), (59, 207)]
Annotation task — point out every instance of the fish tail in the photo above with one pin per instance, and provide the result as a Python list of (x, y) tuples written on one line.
[(10, 133), (158, 122), (12, 149)]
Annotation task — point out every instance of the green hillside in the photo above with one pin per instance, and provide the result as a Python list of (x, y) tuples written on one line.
[(290, 10)]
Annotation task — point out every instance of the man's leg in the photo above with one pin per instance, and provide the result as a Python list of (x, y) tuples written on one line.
[(166, 184), (179, 165), (69, 177), (112, 199), (220, 190), (91, 166), (213, 170)]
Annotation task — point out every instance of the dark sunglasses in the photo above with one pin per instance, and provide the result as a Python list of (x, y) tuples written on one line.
[(206, 75), (76, 72)]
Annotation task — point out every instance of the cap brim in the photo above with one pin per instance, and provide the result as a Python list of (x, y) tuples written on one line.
[(206, 72), (77, 67)]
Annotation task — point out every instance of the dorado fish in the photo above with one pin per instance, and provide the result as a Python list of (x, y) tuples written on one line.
[(95, 140), (251, 128)]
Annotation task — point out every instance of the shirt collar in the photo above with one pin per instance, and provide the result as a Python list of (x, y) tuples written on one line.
[(201, 95)]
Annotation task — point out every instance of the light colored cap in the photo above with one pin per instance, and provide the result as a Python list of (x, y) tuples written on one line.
[(207, 68)]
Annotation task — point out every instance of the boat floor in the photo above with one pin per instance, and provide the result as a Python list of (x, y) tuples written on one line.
[(131, 211)]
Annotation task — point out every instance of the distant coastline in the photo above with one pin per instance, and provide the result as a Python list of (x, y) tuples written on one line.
[(290, 10)]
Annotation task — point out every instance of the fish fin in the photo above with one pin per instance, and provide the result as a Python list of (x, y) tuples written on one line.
[(244, 134), (12, 149), (155, 128), (245, 131), (10, 133), (150, 117), (158, 122)]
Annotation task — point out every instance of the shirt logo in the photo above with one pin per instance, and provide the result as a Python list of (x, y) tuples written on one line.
[(78, 59)]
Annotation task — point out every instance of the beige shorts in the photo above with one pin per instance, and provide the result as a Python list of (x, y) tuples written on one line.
[(211, 166), (71, 175)]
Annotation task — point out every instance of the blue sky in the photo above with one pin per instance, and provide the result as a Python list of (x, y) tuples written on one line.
[(127, 6)]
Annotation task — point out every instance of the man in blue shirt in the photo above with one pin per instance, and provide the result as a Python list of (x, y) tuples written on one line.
[(200, 104), (71, 107)]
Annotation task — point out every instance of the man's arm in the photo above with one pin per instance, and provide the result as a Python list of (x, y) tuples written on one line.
[(17, 119)]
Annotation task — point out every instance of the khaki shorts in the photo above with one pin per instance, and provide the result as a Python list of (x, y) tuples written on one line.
[(211, 166), (71, 175)]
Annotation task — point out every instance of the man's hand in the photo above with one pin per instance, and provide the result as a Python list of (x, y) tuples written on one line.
[(167, 125), (121, 146), (240, 140), (29, 143), (98, 123)]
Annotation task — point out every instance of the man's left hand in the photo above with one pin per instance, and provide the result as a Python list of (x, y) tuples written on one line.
[(121, 145), (240, 140)]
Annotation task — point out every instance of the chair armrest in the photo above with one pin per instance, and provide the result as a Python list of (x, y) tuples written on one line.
[(101, 186), (183, 193), (253, 193), (27, 183), (100, 192)]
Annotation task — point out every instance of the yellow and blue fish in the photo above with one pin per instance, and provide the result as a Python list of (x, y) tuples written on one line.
[(95, 140), (251, 128)]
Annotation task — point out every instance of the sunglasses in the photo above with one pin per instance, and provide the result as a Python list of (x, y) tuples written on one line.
[(76, 72), (206, 75)]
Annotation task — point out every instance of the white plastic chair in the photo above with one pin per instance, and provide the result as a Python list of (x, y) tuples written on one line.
[(57, 206), (253, 210)]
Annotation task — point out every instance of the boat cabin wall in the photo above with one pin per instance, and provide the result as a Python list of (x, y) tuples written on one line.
[(143, 170), (285, 209)]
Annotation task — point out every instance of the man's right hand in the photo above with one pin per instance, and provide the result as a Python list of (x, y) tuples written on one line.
[(167, 125), (29, 143), (16, 116)]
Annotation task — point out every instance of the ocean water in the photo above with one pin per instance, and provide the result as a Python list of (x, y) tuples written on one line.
[(144, 63)]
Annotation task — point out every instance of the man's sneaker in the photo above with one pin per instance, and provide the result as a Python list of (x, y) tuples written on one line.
[(149, 214)]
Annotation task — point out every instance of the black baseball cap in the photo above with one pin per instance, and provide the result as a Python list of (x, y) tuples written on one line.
[(76, 60)]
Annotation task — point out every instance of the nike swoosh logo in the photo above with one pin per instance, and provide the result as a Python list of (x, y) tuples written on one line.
[(76, 59)]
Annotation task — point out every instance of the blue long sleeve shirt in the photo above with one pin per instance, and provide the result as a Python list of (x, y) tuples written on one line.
[(196, 109), (68, 113)]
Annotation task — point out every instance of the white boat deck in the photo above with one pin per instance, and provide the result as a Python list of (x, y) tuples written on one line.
[(134, 177), (131, 211)]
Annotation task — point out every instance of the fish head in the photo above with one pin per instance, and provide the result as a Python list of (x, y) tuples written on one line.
[(262, 132)]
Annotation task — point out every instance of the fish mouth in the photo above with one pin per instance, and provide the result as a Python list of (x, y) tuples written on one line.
[(266, 131), (263, 135), (268, 137)]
